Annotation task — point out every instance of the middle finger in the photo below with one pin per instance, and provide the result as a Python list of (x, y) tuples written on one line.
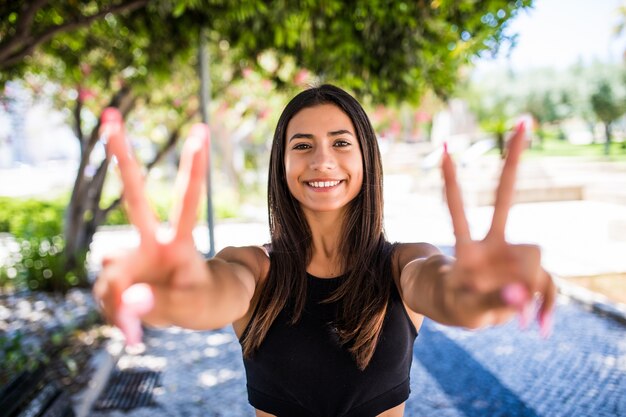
[(506, 187)]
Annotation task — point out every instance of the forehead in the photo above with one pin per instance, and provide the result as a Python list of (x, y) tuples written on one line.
[(319, 120)]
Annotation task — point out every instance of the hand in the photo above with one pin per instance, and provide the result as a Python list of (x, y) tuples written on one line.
[(142, 281), (492, 279)]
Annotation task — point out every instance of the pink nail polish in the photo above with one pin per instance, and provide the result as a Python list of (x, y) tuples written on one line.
[(545, 324), (521, 126), (138, 298), (515, 294), (201, 130), (137, 301), (111, 114), (445, 147), (130, 325)]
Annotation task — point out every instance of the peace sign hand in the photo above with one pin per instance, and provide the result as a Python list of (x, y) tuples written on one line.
[(133, 284), (493, 279)]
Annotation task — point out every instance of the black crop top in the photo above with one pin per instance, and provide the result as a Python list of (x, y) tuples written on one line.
[(302, 370)]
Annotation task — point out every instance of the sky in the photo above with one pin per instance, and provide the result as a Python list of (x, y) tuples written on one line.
[(557, 33)]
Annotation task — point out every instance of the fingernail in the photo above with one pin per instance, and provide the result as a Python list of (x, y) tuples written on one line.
[(130, 325), (545, 324), (525, 316), (445, 147), (200, 129), (515, 294), (521, 126), (111, 114), (138, 299)]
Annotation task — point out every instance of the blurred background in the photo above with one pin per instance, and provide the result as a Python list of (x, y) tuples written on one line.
[(462, 71)]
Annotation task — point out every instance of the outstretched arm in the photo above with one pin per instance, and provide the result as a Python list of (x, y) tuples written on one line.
[(165, 280), (490, 280)]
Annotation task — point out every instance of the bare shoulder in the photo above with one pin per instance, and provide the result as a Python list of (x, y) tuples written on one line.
[(407, 252), (252, 258)]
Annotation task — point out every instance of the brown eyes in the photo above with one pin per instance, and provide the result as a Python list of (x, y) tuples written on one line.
[(339, 143)]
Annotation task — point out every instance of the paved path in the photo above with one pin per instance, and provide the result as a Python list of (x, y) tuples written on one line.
[(580, 371)]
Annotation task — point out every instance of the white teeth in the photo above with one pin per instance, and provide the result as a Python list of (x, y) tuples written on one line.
[(320, 184)]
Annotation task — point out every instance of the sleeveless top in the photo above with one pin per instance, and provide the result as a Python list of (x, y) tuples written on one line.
[(302, 370)]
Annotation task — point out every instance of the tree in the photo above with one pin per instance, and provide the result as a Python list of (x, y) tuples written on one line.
[(608, 109), (25, 25), (544, 111), (382, 51), (125, 72)]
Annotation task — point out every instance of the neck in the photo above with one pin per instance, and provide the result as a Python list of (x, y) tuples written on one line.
[(326, 230)]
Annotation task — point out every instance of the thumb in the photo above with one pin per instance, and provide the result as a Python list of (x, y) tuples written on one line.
[(137, 301)]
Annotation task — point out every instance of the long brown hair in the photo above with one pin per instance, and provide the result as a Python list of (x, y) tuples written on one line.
[(366, 254)]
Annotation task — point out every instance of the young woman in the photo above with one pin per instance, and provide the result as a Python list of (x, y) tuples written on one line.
[(328, 312)]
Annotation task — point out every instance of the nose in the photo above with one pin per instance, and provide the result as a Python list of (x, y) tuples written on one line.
[(322, 159)]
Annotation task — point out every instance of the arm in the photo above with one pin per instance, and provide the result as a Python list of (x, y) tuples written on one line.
[(490, 280), (219, 295), (423, 271), (422, 289), (165, 280)]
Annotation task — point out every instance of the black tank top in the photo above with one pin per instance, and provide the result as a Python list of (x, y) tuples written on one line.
[(302, 370)]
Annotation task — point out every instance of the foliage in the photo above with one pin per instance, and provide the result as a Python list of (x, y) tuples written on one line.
[(141, 59), (16, 357), (554, 147), (25, 219), (607, 107), (21, 351), (24, 25), (396, 49), (387, 51), (551, 96), (35, 260), (38, 263)]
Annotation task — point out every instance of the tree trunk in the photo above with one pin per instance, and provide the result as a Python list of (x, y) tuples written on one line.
[(84, 213), (84, 207), (500, 142), (16, 46), (607, 133)]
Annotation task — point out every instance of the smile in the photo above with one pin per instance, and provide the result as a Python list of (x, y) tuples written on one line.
[(323, 184)]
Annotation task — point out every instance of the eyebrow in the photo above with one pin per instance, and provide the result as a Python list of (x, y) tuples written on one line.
[(310, 136)]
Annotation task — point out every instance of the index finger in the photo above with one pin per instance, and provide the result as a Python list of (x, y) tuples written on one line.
[(454, 198), (506, 187), (137, 206)]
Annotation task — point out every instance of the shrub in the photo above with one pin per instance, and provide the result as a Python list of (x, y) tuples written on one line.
[(34, 258), (31, 218), (39, 264)]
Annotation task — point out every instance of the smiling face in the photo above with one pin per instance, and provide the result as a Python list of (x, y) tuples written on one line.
[(323, 160)]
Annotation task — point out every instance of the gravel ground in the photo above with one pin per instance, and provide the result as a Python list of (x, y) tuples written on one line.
[(33, 323)]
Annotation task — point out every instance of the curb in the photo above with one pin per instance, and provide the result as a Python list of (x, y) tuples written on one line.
[(101, 365), (592, 300)]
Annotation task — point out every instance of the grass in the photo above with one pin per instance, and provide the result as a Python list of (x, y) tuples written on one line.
[(556, 147), (553, 147)]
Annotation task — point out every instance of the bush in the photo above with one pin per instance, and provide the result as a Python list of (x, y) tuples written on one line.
[(39, 264), (31, 218), (16, 356), (34, 258)]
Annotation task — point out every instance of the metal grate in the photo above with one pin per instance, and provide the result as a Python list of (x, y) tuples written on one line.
[(129, 389)]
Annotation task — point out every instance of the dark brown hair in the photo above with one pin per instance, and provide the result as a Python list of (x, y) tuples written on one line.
[(363, 296)]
